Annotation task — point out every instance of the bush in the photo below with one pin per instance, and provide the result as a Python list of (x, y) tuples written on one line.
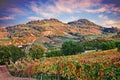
[(10, 53), (54, 53), (36, 51)]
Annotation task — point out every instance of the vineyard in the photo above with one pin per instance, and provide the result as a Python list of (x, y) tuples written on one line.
[(102, 65)]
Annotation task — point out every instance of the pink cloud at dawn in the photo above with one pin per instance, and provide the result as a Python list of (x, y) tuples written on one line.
[(7, 18)]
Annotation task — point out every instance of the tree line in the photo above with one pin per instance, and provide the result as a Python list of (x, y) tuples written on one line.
[(13, 53)]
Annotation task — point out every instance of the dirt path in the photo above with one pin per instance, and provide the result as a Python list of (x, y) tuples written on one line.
[(5, 75)]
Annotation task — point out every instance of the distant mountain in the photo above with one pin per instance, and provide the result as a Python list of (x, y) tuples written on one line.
[(111, 30), (86, 27)]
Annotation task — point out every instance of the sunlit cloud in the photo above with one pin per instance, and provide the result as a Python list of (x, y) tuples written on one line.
[(102, 9), (7, 18), (103, 16), (112, 23), (72, 18), (34, 18), (61, 6)]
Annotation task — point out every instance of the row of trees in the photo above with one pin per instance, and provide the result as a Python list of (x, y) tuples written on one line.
[(71, 47)]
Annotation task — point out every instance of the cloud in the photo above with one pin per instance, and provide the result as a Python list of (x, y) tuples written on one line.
[(103, 16), (72, 6), (102, 9), (40, 10), (105, 21), (109, 23), (7, 18), (108, 8), (16, 10), (112, 23), (62, 6), (34, 18), (116, 9), (72, 18)]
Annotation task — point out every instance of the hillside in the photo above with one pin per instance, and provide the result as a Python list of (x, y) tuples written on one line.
[(86, 27), (51, 32), (42, 30)]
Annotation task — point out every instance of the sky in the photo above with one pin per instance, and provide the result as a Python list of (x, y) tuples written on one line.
[(103, 12)]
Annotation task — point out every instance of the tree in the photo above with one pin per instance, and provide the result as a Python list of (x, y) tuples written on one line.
[(36, 51), (71, 47), (4, 55), (15, 53), (10, 53), (107, 45), (118, 47), (117, 43)]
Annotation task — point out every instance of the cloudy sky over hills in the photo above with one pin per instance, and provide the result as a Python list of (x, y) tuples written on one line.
[(103, 12)]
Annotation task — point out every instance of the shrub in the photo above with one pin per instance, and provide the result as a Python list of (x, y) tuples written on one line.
[(54, 53)]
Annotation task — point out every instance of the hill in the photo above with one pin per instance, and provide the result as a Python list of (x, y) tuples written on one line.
[(86, 27), (42, 30), (50, 32)]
